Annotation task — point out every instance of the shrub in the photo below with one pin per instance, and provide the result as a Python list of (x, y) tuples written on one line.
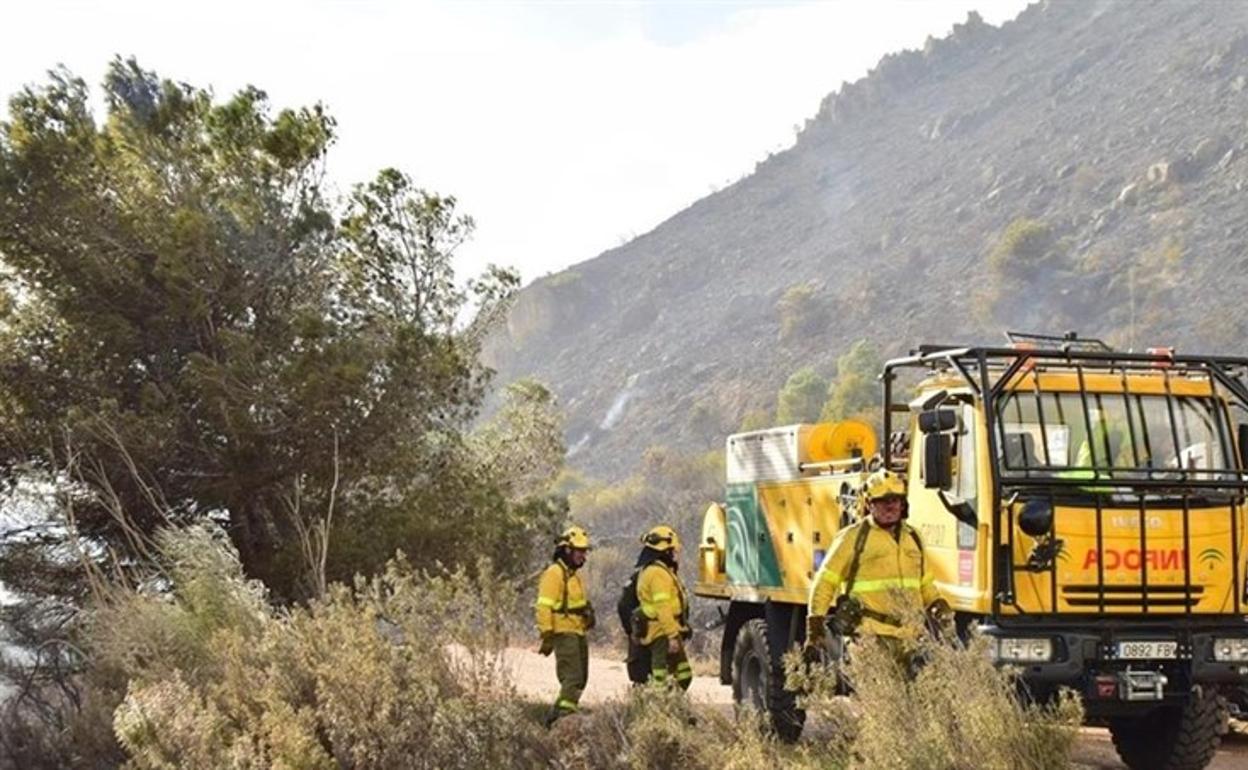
[(801, 311), (55, 726), (960, 711), (1024, 245), (403, 669), (855, 393), (654, 729), (851, 395), (801, 399)]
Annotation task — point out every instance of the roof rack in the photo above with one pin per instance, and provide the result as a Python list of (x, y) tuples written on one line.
[(1067, 341), (990, 374)]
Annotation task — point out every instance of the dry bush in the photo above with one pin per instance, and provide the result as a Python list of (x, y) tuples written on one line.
[(66, 728), (166, 626), (657, 729), (406, 670), (1024, 246), (365, 677), (802, 311), (959, 711)]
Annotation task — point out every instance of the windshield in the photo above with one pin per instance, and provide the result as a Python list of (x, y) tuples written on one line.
[(1123, 435)]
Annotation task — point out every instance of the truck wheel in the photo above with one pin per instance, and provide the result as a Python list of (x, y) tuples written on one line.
[(1172, 737), (758, 682)]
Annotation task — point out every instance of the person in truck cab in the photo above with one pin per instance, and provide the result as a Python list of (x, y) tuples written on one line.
[(874, 572)]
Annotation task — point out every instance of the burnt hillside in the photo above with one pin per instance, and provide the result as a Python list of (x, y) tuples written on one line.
[(1083, 166)]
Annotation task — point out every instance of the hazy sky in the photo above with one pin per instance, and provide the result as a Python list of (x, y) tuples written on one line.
[(564, 128)]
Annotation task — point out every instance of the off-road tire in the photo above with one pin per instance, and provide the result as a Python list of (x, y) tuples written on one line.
[(758, 682), (1172, 737)]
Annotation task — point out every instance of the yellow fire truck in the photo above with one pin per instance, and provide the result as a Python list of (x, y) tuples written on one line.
[(1081, 506)]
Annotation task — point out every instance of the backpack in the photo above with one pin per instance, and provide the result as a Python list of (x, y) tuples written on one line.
[(629, 603)]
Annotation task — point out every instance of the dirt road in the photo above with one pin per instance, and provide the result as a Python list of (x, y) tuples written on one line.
[(535, 677)]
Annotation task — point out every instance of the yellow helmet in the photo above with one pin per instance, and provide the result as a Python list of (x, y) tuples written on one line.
[(574, 537), (661, 538), (883, 484)]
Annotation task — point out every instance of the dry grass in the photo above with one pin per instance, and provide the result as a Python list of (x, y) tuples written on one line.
[(198, 670), (359, 679), (205, 673), (657, 729), (959, 711)]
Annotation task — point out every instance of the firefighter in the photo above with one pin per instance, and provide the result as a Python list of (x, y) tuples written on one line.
[(1108, 445), (874, 570), (637, 664), (564, 615), (662, 620)]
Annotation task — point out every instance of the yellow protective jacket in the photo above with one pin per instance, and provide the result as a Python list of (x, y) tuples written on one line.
[(893, 577), (562, 603), (663, 601)]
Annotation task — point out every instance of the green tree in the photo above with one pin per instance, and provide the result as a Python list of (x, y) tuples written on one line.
[(192, 329), (851, 395), (801, 398), (522, 446), (855, 391), (862, 358)]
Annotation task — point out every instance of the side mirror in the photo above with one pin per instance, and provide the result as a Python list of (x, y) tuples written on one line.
[(937, 461), (934, 400), (938, 420), (961, 510), (1243, 446)]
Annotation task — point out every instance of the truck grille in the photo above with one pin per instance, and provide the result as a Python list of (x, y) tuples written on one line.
[(1132, 596)]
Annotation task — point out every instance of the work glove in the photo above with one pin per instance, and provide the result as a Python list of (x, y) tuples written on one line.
[(940, 619), (591, 620), (548, 643), (674, 645), (940, 612)]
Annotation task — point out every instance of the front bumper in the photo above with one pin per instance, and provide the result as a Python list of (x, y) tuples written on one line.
[(1085, 661)]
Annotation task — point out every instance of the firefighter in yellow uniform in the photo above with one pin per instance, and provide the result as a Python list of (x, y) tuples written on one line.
[(664, 609), (874, 572), (564, 614)]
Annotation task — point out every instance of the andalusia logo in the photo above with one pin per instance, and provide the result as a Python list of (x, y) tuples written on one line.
[(1210, 558)]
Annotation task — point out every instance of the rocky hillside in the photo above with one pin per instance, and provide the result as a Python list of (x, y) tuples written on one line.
[(1081, 167)]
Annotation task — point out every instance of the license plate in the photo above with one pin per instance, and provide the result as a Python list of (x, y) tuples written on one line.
[(1147, 650)]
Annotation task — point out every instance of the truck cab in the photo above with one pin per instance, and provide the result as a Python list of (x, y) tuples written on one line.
[(1083, 508)]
